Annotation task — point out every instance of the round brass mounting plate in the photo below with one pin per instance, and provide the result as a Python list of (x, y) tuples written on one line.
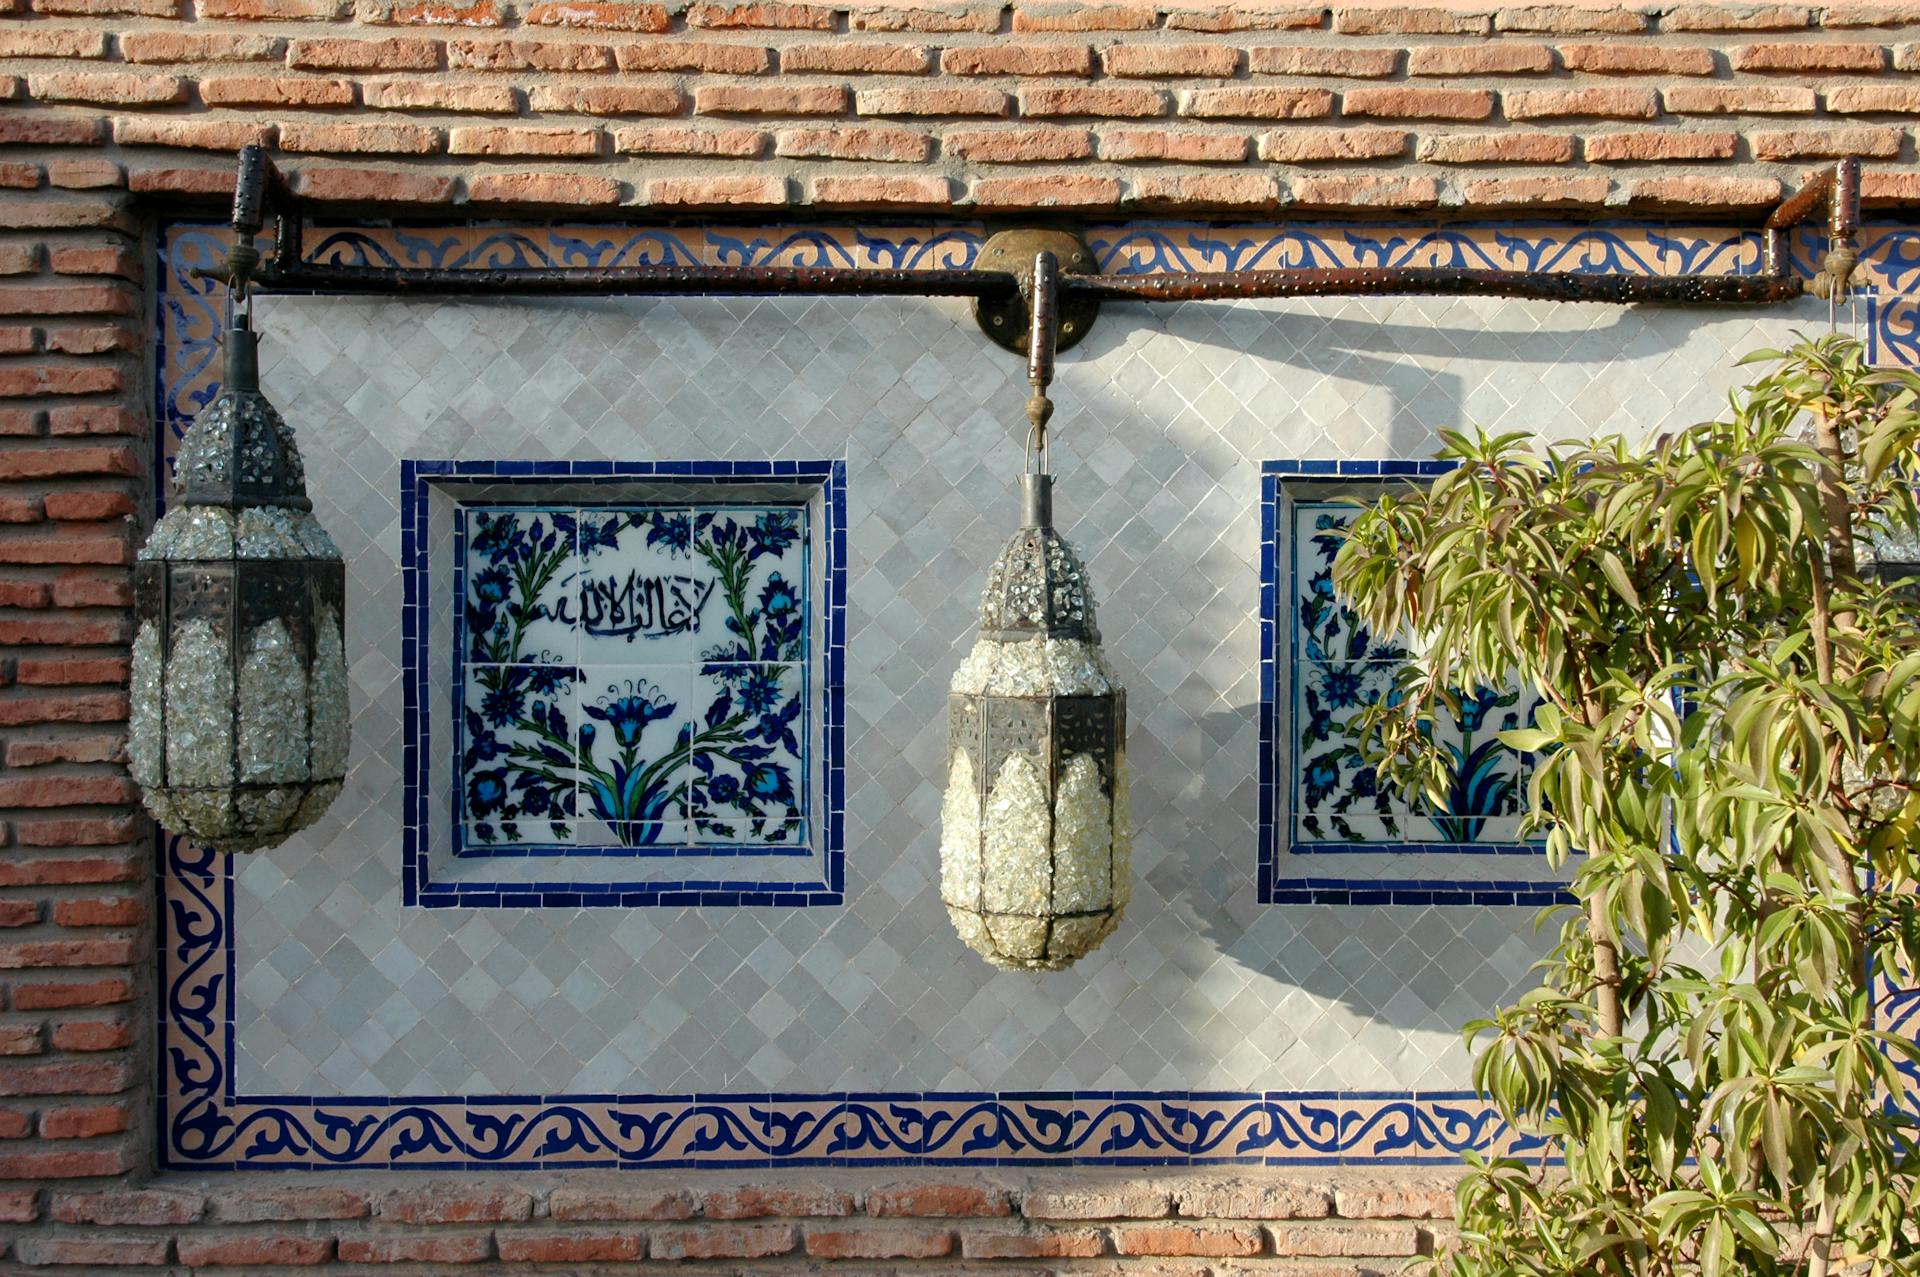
[(1004, 319)]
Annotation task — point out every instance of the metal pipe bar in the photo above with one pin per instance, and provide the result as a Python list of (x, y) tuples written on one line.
[(1729, 290), (1843, 205), (1799, 206)]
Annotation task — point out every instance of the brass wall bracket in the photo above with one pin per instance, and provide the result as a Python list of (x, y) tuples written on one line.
[(1006, 318)]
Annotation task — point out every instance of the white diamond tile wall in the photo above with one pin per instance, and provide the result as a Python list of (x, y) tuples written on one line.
[(1165, 416)]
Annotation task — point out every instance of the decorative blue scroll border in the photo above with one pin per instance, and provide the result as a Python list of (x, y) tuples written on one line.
[(417, 479), (204, 1124)]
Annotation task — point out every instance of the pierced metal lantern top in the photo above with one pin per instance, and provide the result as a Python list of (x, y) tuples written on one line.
[(1038, 586), (238, 453)]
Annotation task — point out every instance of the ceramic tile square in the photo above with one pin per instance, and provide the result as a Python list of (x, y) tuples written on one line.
[(682, 1014)]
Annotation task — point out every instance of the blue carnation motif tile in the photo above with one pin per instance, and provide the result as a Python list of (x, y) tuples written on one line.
[(634, 679)]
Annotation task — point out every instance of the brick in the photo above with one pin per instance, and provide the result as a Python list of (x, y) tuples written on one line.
[(546, 1247), (1410, 1198), (1152, 60), (1249, 17), (100, 911), (942, 1200), (67, 671), (467, 1248), (93, 419), (852, 143), (19, 913), (1408, 20), (600, 15), (432, 13), (20, 1039), (361, 139), (432, 95), (108, 952), (958, 101), (449, 1202), (1826, 144), (1247, 103), (769, 14), (269, 90), (725, 1241), (90, 589), (503, 140), (1314, 60), (90, 341), (74, 174), (18, 422), (530, 55), (95, 259), (1741, 99), (880, 191), (15, 1125), (1062, 1243), (62, 548), (1874, 99), (1906, 57), (1253, 1199), (1018, 59), (66, 791), (1173, 145), (937, 18), (233, 1250), (52, 42), (1552, 104), (1073, 15), (607, 99), (1637, 59), (1314, 146), (145, 1207), (1065, 191), (1807, 57), (18, 341), (1889, 188), (265, 1204), (680, 139), (41, 463), (120, 89), (68, 1077), (272, 10), (395, 53), (49, 130), (27, 509), (1366, 192), (198, 135), (758, 1201), (382, 186), (679, 55), (1344, 1240), (1070, 1201), (1507, 192), (1724, 17), (19, 1206), (1704, 192), (1564, 19), (20, 176), (770, 99), (62, 995), (91, 1250), (1418, 104), (109, 8), (1844, 13), (1188, 1239), (1018, 146), (542, 188), (619, 1203), (39, 871), (1609, 148), (1205, 190), (92, 1035), (1096, 100), (85, 1121), (1497, 148), (1479, 59), (30, 594), (34, 380), (19, 259), (181, 181), (856, 59), (883, 1242), (182, 46)]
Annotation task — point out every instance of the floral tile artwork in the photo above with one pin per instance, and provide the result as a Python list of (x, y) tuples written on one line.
[(1340, 668), (633, 679)]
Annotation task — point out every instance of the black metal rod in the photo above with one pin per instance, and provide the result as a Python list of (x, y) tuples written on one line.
[(1729, 290)]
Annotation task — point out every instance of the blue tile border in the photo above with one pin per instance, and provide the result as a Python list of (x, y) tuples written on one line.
[(418, 479)]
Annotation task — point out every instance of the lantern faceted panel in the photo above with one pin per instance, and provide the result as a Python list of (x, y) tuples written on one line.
[(238, 731), (1036, 846)]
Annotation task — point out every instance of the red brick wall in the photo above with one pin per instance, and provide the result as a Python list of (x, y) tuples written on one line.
[(617, 108)]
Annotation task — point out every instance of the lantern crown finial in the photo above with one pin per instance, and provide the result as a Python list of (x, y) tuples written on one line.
[(239, 453), (1038, 587)]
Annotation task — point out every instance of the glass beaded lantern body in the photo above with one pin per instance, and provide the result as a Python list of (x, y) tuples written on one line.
[(1035, 847), (239, 723)]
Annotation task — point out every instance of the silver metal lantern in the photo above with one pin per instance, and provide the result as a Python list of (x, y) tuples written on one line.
[(1035, 845), (239, 725)]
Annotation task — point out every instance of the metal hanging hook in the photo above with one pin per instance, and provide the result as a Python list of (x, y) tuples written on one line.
[(1043, 305)]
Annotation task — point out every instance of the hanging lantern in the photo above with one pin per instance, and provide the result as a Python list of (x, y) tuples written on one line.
[(239, 725), (1035, 846)]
